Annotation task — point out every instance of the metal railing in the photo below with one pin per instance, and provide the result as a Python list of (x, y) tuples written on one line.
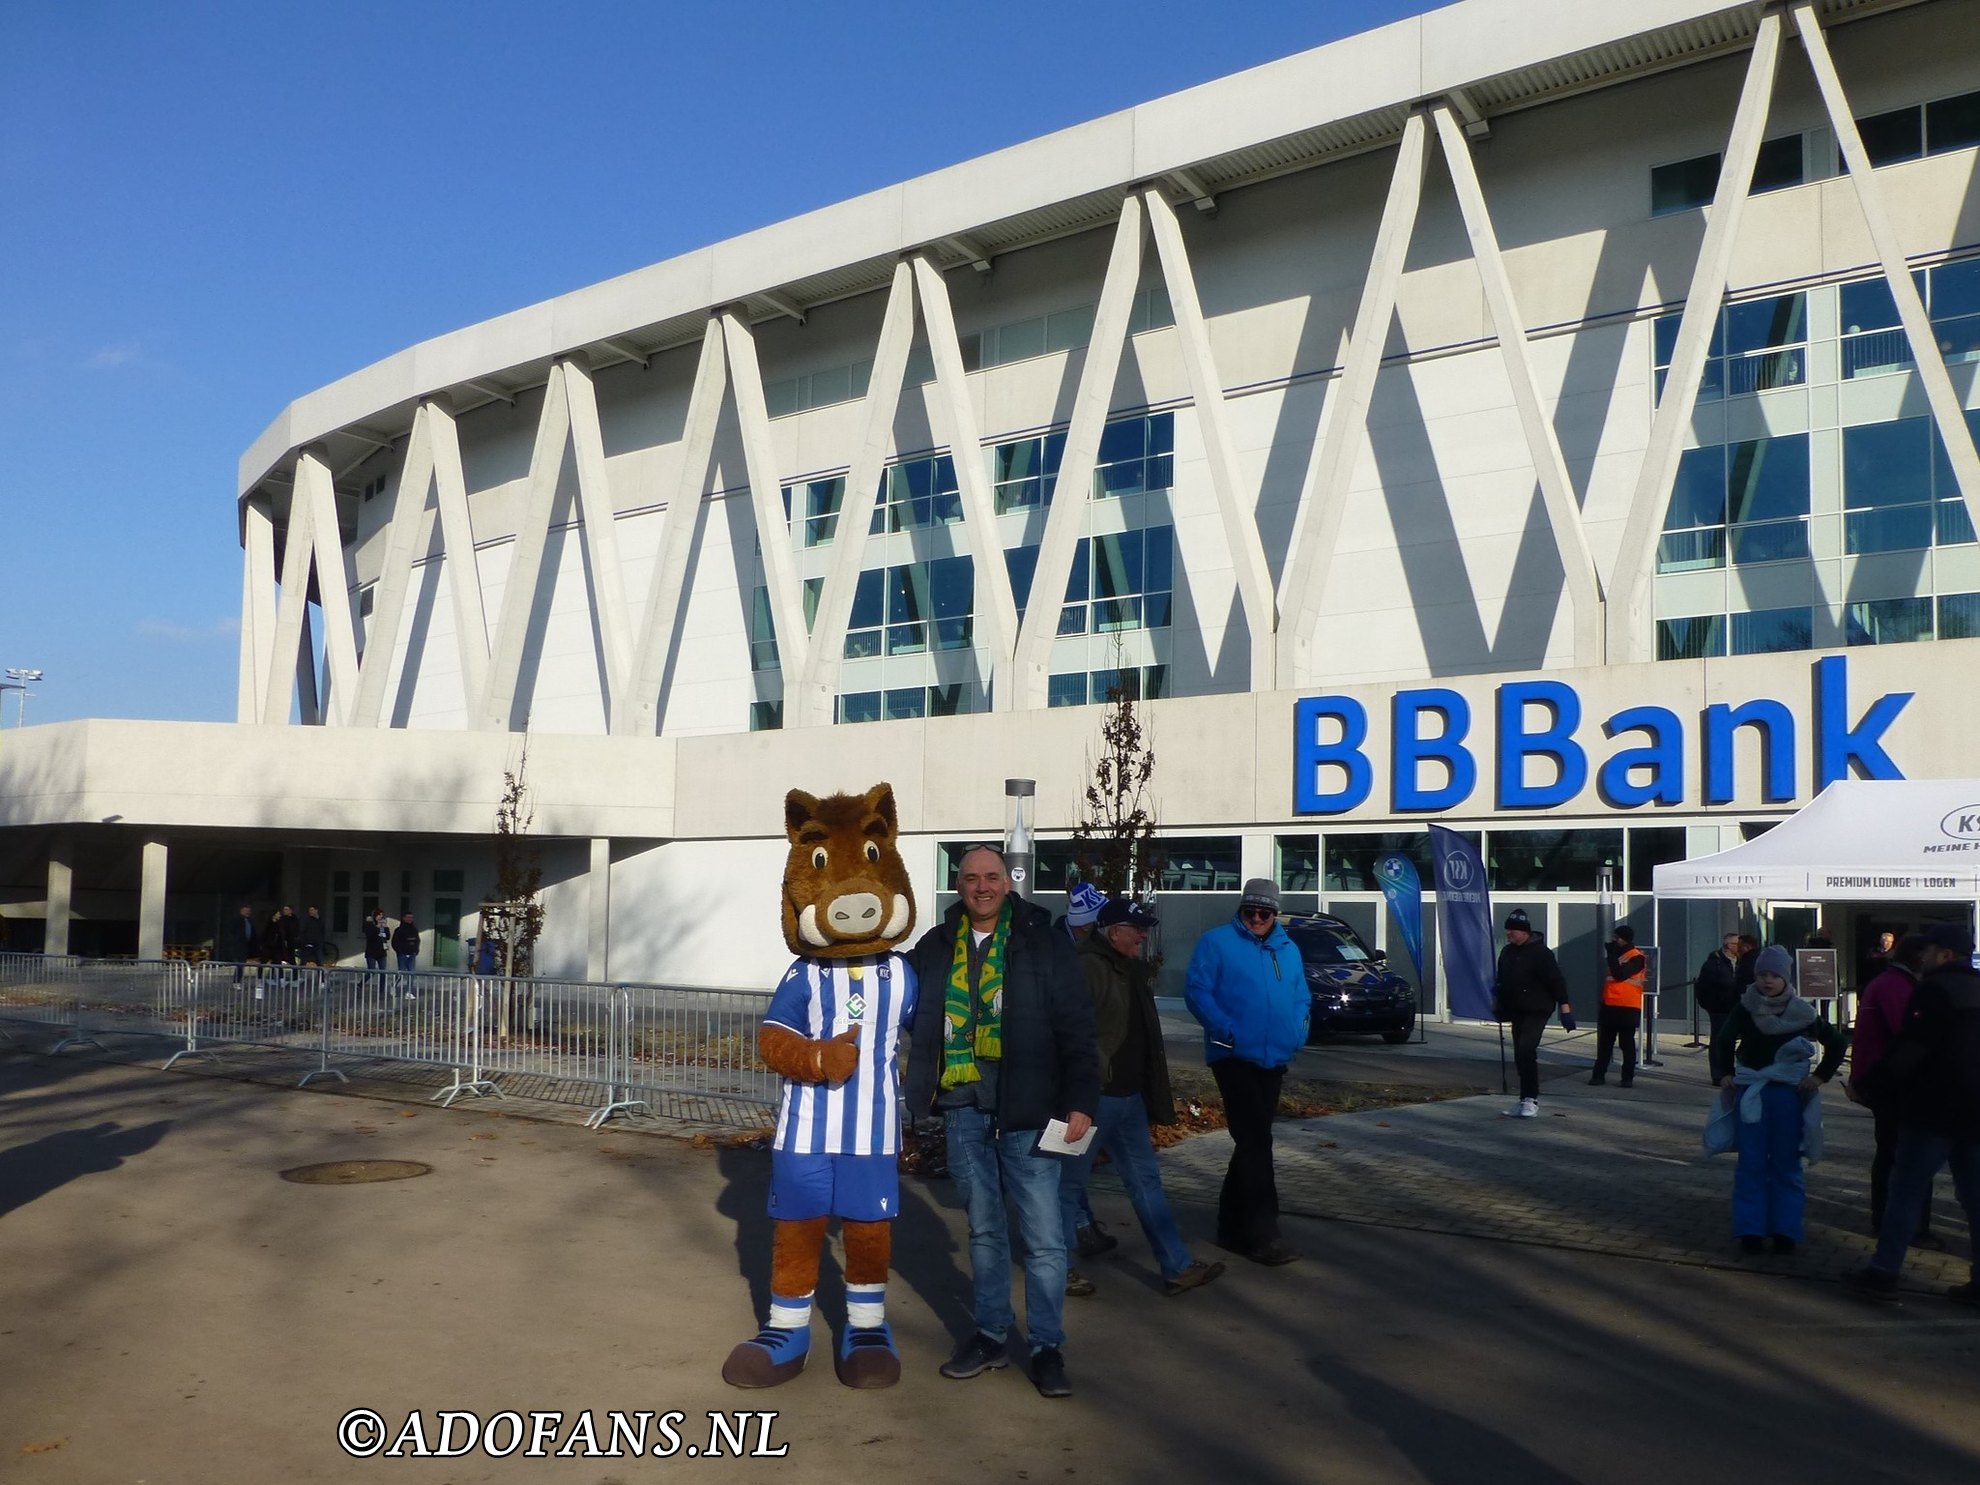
[(613, 1047)]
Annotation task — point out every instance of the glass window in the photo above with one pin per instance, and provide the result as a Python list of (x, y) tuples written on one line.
[(1888, 621), (340, 881), (1022, 564), (951, 701), (860, 706), (762, 632), (1691, 639), (1897, 135), (910, 701), (369, 881), (450, 881), (1299, 862), (1769, 478), (1954, 289), (1065, 690), (1021, 340), (766, 716), (1351, 858), (1550, 860), (1117, 564), (1116, 685), (1199, 864), (952, 598), (1069, 328), (1319, 944), (1652, 848), (1959, 616), (1768, 631), (1778, 164), (1867, 305), (1158, 551), (1886, 464), (1698, 498), (1761, 324), (1952, 123), (1683, 184), (1154, 682), (821, 510), (907, 609), (868, 593)]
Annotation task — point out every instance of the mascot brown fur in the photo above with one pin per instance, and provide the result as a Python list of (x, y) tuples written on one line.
[(831, 1032)]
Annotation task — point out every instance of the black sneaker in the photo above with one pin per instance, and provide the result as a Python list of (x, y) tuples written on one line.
[(1048, 1373), (1596, 1080), (1752, 1244), (1094, 1239), (1782, 1243), (980, 1353), (1627, 1080), (1871, 1283)]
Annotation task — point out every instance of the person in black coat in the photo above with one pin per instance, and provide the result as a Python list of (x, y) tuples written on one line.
[(1930, 1078), (1716, 989), (1528, 989), (405, 943), (239, 941), (1003, 1041), (377, 941), (310, 937)]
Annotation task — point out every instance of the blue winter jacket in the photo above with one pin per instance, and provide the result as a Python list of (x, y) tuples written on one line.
[(1249, 993)]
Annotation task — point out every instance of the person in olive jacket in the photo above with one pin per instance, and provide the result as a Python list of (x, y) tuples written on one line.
[(1528, 989), (1003, 1043), (1247, 986)]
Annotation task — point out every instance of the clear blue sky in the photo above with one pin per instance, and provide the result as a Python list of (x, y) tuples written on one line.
[(209, 209)]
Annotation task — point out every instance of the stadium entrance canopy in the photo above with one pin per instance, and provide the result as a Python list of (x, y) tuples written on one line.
[(1856, 841)]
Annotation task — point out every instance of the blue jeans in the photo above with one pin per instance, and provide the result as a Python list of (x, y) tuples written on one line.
[(1768, 1196), (988, 1170), (407, 962), (1123, 1135), (1920, 1153)]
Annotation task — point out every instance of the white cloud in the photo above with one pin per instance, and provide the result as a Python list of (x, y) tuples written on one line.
[(111, 357), (173, 632)]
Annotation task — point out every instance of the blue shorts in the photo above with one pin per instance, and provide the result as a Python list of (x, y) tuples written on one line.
[(859, 1188)]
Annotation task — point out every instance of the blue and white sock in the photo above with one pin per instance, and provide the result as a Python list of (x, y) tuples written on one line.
[(787, 1313), (866, 1305)]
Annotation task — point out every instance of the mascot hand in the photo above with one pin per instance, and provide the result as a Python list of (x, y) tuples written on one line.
[(838, 1057)]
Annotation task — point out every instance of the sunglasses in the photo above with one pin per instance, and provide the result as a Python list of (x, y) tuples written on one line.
[(1257, 914)]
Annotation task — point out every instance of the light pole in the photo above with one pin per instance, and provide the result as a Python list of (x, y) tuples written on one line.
[(19, 678)]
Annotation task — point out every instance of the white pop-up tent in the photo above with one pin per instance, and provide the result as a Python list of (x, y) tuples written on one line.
[(1859, 840)]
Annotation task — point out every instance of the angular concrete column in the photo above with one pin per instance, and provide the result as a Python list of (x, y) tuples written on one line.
[(598, 941), (61, 892), (151, 902)]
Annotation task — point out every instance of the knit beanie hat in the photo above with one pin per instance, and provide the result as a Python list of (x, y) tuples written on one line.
[(1774, 960), (1083, 904), (1260, 892)]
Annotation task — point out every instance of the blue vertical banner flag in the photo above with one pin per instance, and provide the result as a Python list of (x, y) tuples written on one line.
[(1464, 923), (1404, 890)]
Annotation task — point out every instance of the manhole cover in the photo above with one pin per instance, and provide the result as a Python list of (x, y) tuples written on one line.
[(355, 1172)]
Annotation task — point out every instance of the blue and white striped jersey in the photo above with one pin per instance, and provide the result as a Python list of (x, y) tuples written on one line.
[(823, 998)]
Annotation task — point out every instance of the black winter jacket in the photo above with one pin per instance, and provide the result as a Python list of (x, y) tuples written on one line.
[(1529, 981), (1051, 1063), (405, 939), (1931, 1075), (377, 939), (1714, 988)]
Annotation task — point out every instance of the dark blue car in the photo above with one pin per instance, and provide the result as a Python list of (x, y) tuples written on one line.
[(1355, 993)]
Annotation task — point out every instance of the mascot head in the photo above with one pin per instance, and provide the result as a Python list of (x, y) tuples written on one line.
[(846, 889)]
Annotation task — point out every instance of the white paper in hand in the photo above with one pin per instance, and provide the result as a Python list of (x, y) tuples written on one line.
[(1053, 1140)]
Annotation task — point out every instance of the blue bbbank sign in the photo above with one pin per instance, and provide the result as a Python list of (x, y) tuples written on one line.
[(1539, 761)]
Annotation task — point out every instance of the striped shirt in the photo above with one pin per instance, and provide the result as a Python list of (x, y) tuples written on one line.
[(821, 999)]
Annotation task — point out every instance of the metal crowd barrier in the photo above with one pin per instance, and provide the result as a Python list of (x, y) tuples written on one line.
[(615, 1047)]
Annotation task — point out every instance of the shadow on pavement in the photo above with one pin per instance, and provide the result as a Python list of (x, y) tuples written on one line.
[(33, 1170)]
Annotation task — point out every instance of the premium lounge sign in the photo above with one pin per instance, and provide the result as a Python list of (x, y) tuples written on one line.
[(1542, 751)]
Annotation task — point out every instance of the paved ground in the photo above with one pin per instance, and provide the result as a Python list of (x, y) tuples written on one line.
[(170, 1310)]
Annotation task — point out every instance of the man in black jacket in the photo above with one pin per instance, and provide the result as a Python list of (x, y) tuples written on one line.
[(405, 944), (240, 940), (1931, 1078), (311, 943), (1528, 988), (1715, 989), (1003, 1041)]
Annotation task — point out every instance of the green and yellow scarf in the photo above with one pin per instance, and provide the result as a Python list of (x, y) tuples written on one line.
[(960, 1050)]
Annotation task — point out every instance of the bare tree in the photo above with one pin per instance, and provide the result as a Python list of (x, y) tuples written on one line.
[(1114, 837), (514, 914)]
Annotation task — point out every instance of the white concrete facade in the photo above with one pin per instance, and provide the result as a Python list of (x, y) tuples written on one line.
[(1419, 370)]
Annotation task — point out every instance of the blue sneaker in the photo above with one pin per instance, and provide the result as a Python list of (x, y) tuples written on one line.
[(867, 1357), (771, 1358)]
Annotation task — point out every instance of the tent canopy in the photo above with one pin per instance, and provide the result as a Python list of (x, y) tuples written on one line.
[(1859, 840)]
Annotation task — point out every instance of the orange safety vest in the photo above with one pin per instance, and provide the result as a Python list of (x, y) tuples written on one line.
[(1628, 991)]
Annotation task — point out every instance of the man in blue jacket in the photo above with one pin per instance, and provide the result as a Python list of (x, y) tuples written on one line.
[(1247, 986)]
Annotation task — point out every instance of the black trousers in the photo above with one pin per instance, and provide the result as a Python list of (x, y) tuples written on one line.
[(1885, 1126), (1613, 1024), (1526, 1029), (1248, 1208)]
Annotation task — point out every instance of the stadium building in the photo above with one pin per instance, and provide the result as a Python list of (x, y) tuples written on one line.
[(1550, 419)]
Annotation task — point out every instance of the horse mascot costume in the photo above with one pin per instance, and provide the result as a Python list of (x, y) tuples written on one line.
[(831, 1031)]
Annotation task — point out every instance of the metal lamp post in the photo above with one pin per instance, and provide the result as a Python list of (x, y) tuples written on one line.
[(1018, 806), (19, 678)]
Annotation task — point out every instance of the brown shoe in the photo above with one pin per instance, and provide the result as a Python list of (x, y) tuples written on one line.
[(1078, 1286), (1272, 1254), (1195, 1276)]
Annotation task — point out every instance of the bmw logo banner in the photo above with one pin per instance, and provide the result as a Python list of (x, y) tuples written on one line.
[(1464, 921), (1404, 890)]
